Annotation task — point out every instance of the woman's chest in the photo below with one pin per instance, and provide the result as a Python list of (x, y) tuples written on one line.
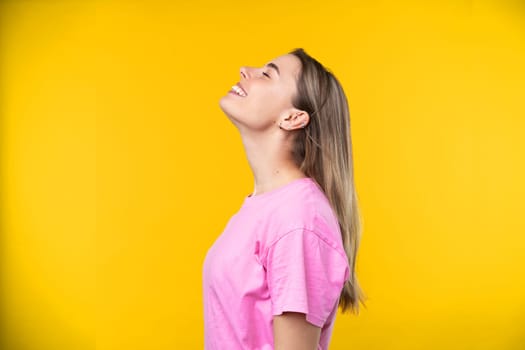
[(232, 263)]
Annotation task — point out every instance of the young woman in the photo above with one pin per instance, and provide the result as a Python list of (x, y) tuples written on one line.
[(285, 262)]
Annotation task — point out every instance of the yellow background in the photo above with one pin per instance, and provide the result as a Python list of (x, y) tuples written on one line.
[(119, 170)]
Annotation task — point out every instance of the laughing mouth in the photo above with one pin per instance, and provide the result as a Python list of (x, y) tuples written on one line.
[(239, 91)]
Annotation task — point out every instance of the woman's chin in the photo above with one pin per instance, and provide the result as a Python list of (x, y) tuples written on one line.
[(227, 108), (223, 103), (227, 105)]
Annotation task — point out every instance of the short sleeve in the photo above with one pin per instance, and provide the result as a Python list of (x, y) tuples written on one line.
[(305, 273)]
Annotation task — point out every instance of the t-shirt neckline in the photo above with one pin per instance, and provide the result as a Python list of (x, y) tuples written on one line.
[(265, 195)]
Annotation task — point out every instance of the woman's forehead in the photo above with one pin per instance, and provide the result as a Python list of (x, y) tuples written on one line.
[(288, 65)]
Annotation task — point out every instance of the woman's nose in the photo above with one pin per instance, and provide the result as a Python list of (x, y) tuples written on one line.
[(244, 72)]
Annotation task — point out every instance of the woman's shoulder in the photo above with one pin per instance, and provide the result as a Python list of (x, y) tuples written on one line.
[(308, 208)]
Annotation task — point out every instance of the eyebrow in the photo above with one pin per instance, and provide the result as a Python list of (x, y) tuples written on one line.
[(274, 66)]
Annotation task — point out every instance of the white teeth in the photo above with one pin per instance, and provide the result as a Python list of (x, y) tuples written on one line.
[(238, 90)]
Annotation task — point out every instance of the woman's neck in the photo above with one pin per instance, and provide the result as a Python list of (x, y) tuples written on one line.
[(270, 160)]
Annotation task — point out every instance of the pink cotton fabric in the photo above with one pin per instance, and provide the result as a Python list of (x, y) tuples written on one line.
[(281, 251)]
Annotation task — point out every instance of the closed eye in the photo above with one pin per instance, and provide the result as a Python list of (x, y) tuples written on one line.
[(268, 75)]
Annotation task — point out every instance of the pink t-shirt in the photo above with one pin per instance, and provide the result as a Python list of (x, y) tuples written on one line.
[(282, 251)]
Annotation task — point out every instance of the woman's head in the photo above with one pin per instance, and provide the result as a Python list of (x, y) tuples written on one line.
[(265, 101)]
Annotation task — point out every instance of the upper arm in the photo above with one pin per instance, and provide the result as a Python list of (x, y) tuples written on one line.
[(305, 274), (291, 331)]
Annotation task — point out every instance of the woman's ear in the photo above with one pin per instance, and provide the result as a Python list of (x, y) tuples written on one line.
[(295, 119)]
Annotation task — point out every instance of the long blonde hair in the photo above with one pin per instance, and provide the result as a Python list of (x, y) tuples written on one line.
[(323, 151)]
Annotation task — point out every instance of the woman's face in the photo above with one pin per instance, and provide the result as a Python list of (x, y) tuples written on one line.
[(266, 95)]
